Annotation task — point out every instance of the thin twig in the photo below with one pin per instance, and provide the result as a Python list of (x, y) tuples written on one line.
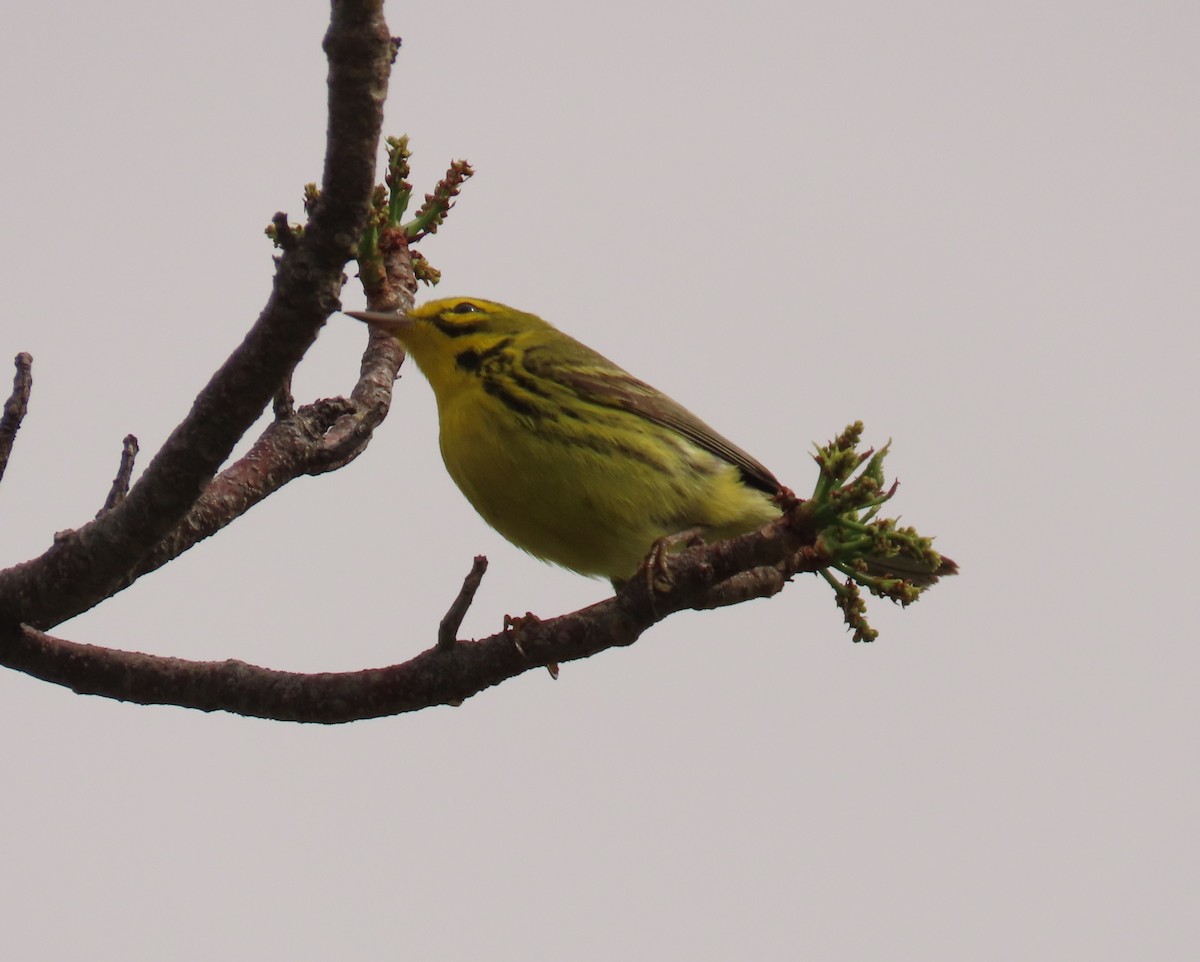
[(15, 407), (120, 485), (453, 619), (284, 236), (283, 405)]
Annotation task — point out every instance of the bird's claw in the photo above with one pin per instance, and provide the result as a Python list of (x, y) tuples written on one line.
[(513, 625), (657, 572)]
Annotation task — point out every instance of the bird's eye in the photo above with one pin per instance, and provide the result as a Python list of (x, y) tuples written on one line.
[(464, 307)]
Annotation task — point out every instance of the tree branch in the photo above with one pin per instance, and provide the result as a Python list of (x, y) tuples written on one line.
[(705, 576), (120, 485), (318, 437), (87, 565), (453, 619), (15, 407)]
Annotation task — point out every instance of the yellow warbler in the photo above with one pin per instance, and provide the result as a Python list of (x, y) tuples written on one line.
[(564, 453)]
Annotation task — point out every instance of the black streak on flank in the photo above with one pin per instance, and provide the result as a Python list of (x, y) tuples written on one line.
[(501, 393), (529, 384)]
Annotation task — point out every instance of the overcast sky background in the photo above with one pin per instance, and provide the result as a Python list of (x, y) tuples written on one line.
[(974, 226)]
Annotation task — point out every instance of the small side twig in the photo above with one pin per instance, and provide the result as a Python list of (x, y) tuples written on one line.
[(120, 485), (284, 235), (283, 404), (15, 407), (453, 619)]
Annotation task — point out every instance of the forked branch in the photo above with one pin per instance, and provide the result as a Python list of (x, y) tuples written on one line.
[(85, 566)]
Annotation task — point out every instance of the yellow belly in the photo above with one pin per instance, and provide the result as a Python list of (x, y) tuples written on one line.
[(593, 500)]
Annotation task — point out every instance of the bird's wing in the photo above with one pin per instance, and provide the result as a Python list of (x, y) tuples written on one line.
[(602, 382)]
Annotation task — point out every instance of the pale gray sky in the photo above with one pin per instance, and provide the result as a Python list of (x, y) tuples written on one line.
[(974, 226)]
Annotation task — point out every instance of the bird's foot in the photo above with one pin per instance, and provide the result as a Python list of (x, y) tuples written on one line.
[(658, 575), (513, 625)]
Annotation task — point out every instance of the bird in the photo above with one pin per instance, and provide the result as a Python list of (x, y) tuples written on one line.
[(566, 454)]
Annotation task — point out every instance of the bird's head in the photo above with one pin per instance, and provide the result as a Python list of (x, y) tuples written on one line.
[(447, 336)]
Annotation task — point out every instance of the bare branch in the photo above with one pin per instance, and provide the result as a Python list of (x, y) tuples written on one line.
[(15, 407), (120, 485), (317, 438), (704, 576), (87, 565), (448, 629)]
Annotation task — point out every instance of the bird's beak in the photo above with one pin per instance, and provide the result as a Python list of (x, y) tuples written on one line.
[(392, 323)]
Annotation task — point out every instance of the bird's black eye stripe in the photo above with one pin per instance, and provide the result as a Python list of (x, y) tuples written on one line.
[(456, 328)]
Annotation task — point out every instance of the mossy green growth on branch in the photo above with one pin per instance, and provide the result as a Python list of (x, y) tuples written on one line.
[(872, 552)]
